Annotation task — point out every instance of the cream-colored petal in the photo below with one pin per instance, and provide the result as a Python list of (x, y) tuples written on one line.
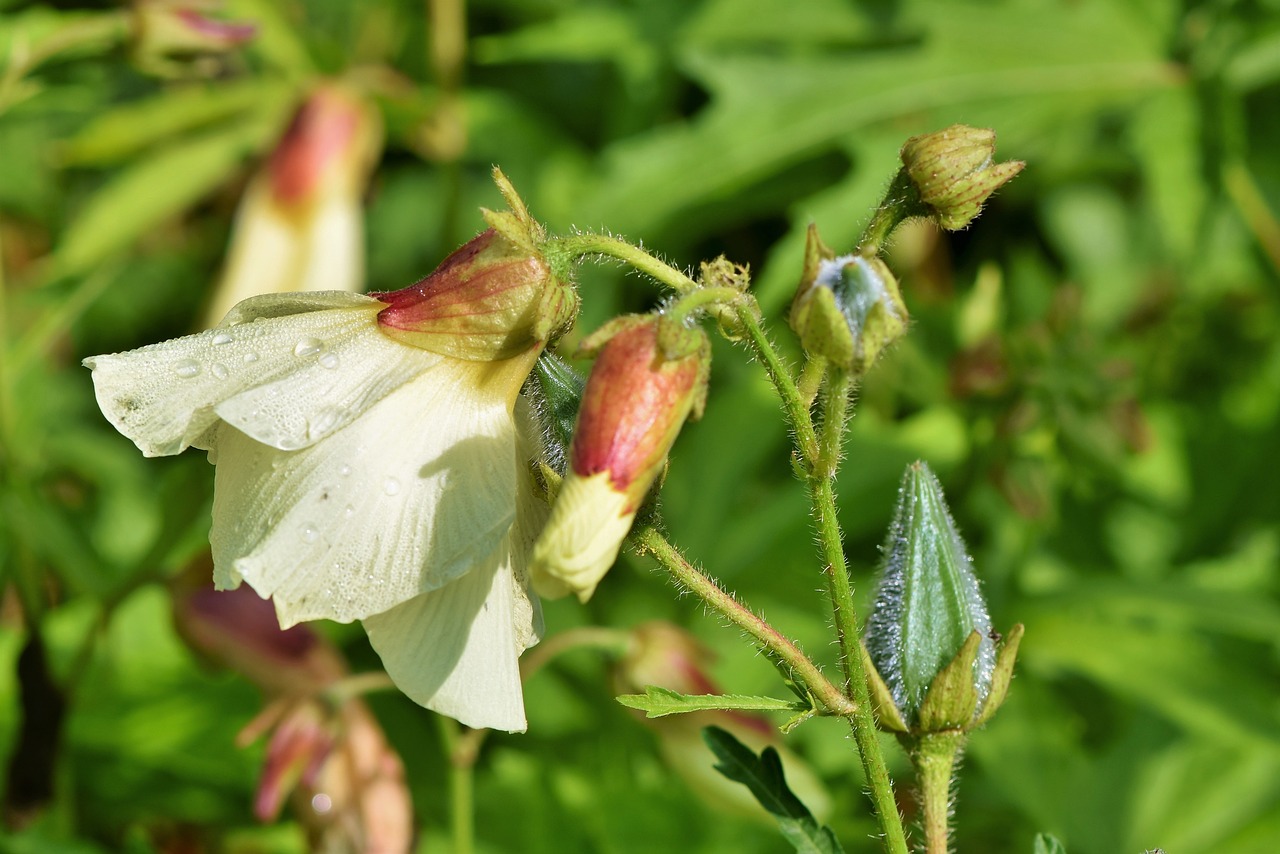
[(163, 396), (265, 244), (333, 381), (413, 494), (455, 650), (332, 254), (582, 537)]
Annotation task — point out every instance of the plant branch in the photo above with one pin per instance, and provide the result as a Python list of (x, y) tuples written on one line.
[(582, 245), (799, 667)]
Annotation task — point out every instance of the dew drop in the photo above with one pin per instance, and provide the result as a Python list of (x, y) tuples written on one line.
[(345, 471), (187, 368), (391, 486), (309, 533), (220, 371), (221, 338), (329, 360), (308, 347), (348, 511), (324, 421), (250, 358)]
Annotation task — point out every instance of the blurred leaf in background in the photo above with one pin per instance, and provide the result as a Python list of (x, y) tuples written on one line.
[(1093, 371)]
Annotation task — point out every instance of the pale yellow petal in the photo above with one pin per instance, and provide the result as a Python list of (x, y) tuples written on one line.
[(456, 650), (163, 396), (404, 500), (580, 542)]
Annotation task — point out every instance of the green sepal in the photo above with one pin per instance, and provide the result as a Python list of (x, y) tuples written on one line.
[(1006, 656), (888, 717), (952, 697)]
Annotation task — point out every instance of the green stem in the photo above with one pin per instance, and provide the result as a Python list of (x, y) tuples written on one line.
[(591, 637), (935, 762), (462, 751), (581, 245), (863, 723), (835, 420), (779, 647), (797, 408), (701, 298), (901, 201)]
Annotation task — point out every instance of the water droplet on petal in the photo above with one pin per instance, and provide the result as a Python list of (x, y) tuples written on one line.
[(308, 347), (309, 533), (329, 360), (324, 421), (391, 486), (345, 471), (348, 511), (222, 338), (219, 371), (250, 357), (187, 368)]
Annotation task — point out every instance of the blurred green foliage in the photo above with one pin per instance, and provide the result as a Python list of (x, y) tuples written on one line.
[(1093, 371)]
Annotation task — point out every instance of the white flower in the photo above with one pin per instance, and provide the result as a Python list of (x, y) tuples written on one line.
[(357, 478)]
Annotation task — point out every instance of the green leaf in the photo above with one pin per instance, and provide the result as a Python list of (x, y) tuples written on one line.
[(149, 191), (1048, 844), (764, 777), (658, 702)]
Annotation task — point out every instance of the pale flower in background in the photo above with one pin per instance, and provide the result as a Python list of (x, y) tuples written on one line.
[(369, 462), (300, 223)]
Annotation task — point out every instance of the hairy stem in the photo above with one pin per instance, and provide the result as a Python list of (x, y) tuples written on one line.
[(781, 648), (935, 763), (581, 245), (797, 408)]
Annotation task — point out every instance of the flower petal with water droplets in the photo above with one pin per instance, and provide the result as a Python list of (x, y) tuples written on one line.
[(163, 396), (404, 500)]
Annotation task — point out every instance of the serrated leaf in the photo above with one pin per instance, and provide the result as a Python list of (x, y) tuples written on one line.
[(764, 777), (658, 702)]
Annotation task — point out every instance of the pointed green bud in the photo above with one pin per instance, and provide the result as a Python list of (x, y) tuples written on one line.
[(848, 309), (954, 172), (929, 633)]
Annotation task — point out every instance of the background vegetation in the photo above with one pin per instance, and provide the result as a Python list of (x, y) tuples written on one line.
[(1093, 371)]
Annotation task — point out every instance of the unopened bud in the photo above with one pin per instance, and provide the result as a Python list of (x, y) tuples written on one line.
[(954, 172), (169, 30), (637, 397), (489, 300), (929, 638), (848, 309)]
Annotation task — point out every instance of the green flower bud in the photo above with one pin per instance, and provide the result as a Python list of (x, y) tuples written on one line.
[(935, 667), (848, 309), (954, 173)]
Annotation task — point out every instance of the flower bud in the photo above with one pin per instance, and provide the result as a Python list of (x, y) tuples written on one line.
[(299, 226), (929, 639), (554, 390), (847, 309), (165, 30), (492, 299), (637, 397), (954, 173)]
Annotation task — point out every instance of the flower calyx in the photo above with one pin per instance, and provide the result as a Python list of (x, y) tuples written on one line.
[(931, 657), (848, 308), (493, 298), (648, 378), (954, 172)]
